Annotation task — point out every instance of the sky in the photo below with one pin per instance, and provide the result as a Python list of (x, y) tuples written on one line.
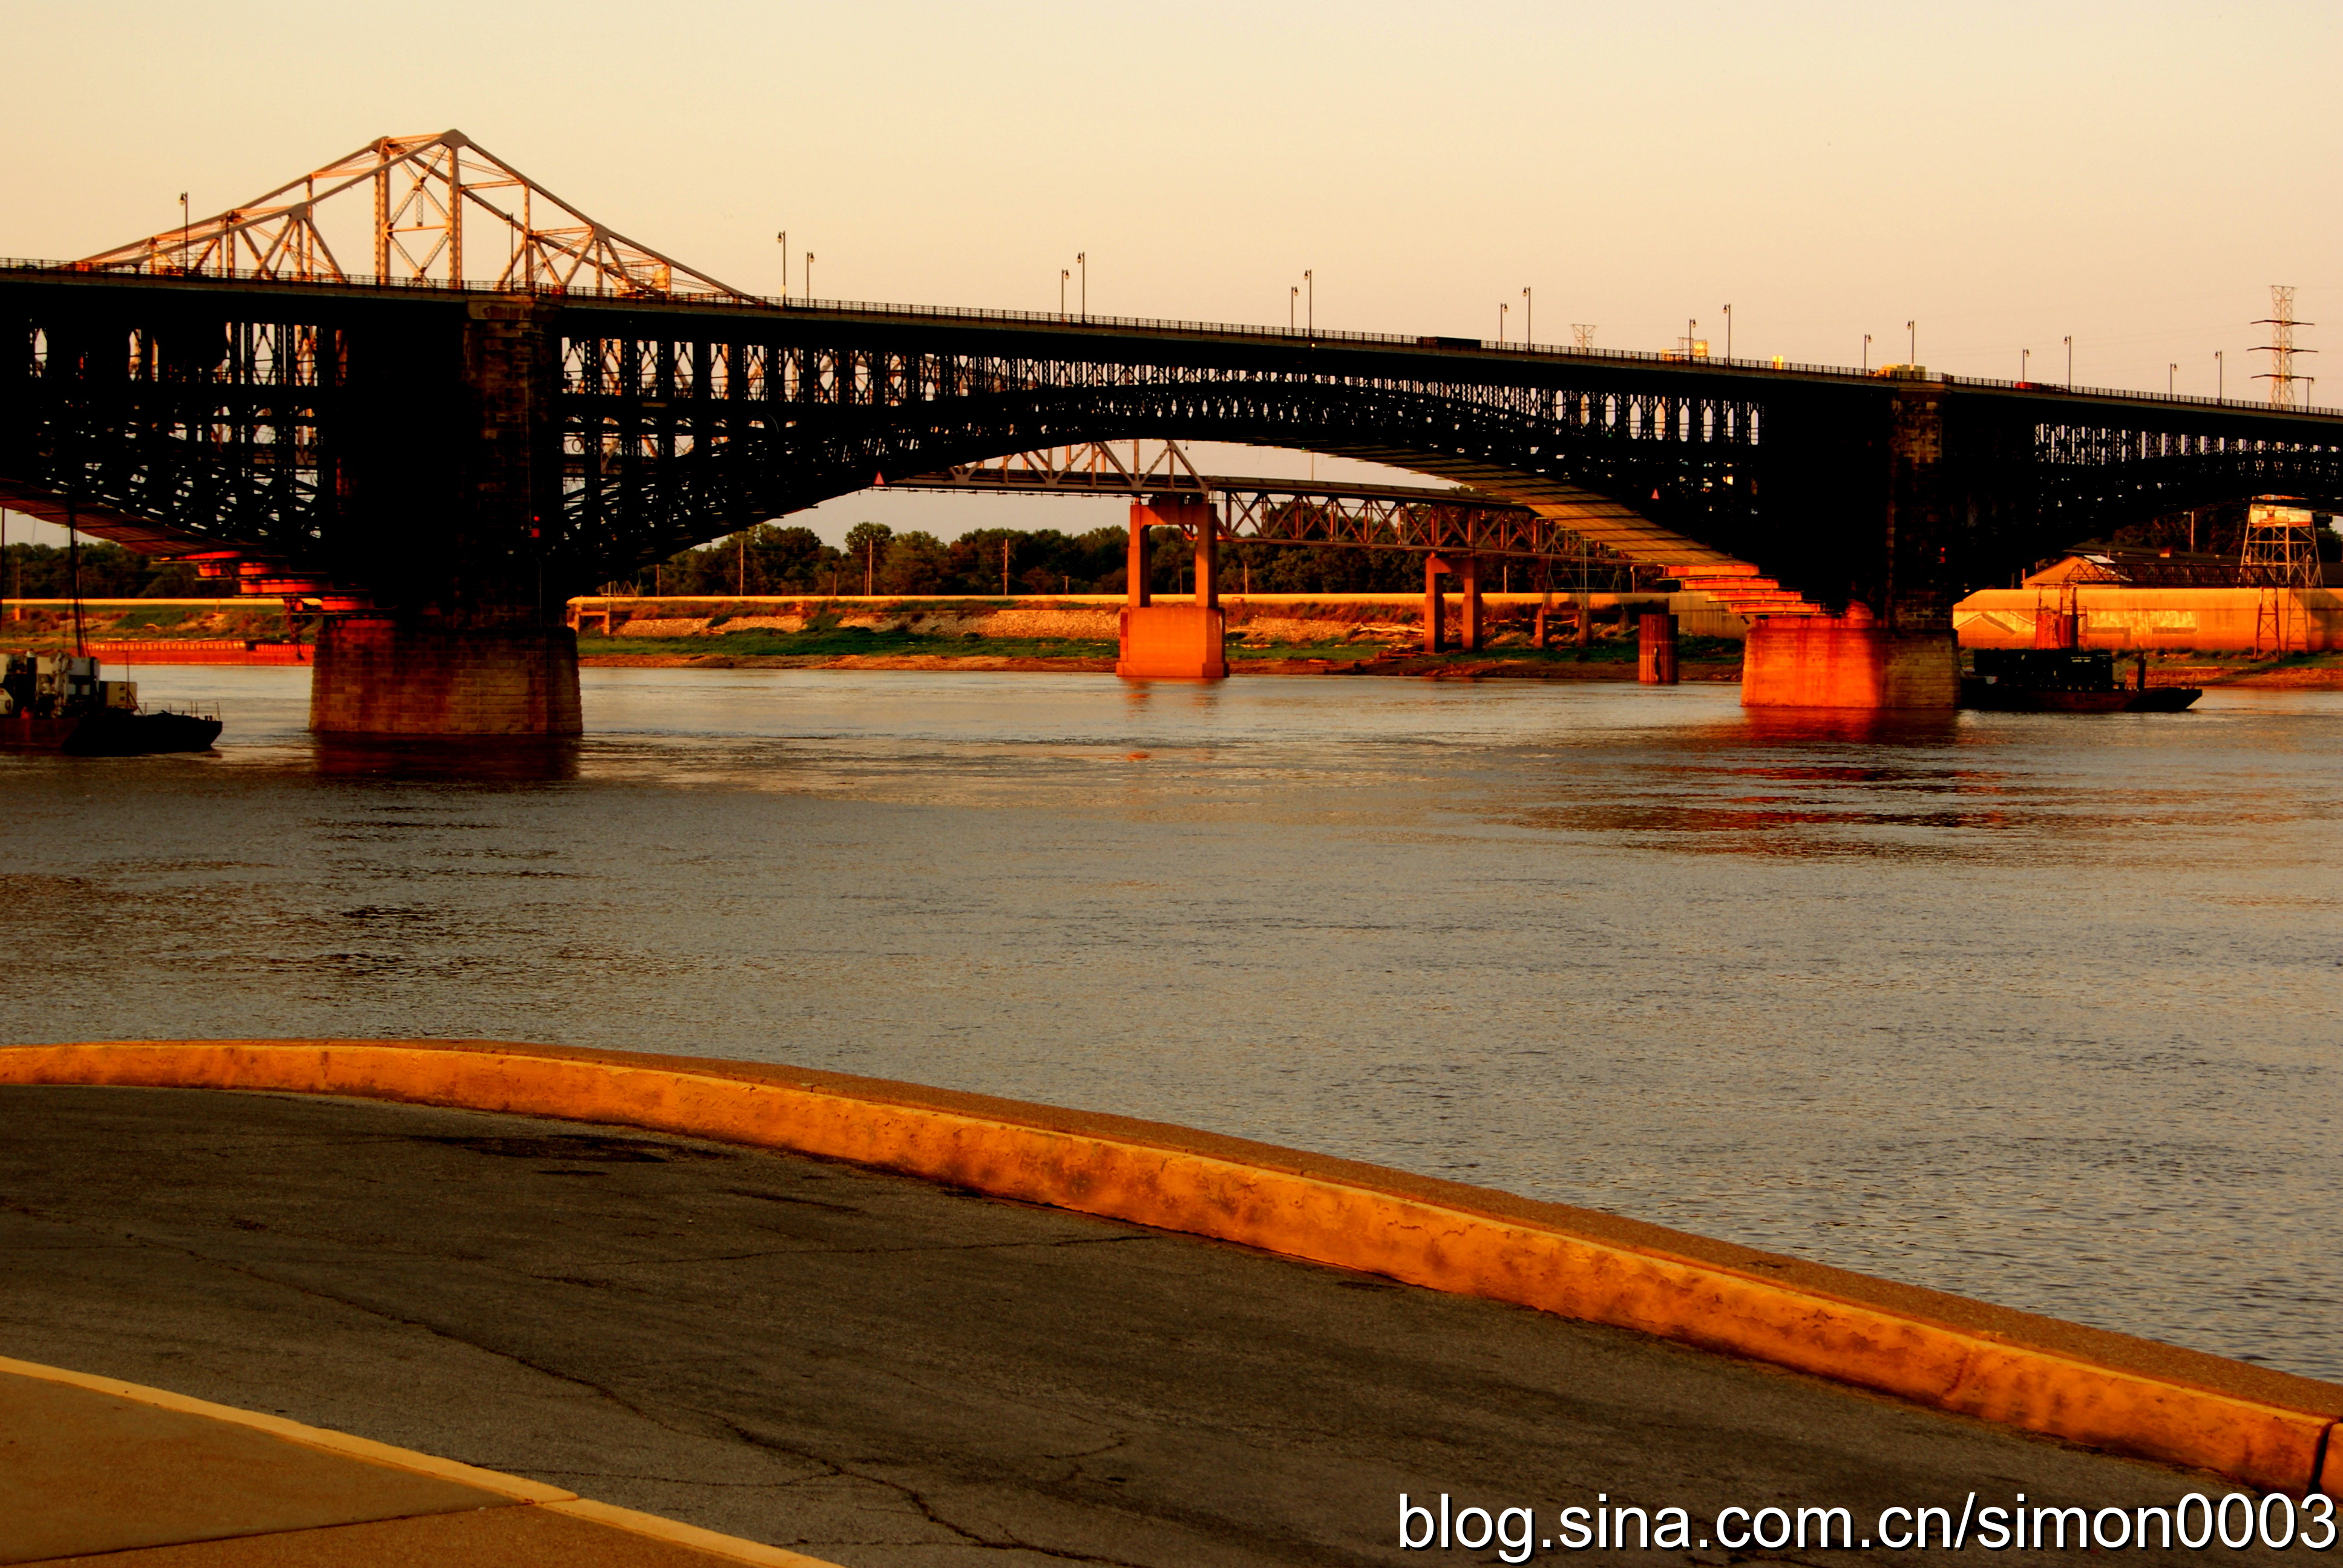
[(2007, 176)]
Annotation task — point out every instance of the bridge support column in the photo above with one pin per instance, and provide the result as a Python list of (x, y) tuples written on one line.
[(1655, 648), (1174, 641), (1435, 608), (1468, 574), (1847, 661), (386, 676)]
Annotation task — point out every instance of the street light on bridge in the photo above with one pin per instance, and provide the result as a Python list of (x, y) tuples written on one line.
[(1728, 332), (2220, 377), (2070, 360), (1912, 354), (782, 240), (2171, 374), (809, 278), (2023, 356), (1293, 300), (1501, 309), (1529, 322), (1866, 353), (1310, 300)]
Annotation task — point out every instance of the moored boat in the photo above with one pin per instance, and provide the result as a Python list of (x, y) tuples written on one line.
[(55, 702), (2064, 680)]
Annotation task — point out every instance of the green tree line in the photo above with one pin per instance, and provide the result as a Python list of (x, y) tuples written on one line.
[(774, 559), (108, 571)]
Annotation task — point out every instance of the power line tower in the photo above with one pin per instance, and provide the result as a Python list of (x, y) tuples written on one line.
[(2281, 349), (2281, 559)]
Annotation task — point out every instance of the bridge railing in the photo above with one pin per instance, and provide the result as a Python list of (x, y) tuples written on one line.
[(1160, 324)]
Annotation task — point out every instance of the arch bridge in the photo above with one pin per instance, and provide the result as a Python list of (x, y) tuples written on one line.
[(438, 461)]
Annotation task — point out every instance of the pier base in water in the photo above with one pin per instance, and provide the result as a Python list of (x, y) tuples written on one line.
[(1847, 661), (390, 677)]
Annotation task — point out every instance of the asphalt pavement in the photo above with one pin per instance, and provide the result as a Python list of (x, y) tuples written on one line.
[(880, 1372)]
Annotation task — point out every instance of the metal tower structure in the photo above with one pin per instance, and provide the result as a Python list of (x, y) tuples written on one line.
[(2281, 349), (2281, 557), (423, 189)]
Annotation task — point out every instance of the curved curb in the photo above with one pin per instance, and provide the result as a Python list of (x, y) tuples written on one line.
[(2102, 1389)]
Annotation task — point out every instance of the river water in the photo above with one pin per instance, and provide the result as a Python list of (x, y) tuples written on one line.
[(2040, 1009)]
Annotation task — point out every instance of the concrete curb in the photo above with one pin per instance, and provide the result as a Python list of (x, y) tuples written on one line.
[(518, 1489), (2103, 1390)]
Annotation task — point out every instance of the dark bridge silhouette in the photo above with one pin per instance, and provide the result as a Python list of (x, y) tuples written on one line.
[(440, 462)]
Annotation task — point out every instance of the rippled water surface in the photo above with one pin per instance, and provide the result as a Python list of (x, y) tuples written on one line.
[(2042, 1009)]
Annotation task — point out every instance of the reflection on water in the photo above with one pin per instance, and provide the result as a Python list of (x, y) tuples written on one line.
[(2035, 1008)]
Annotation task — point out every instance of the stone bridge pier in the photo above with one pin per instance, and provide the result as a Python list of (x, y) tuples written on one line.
[(454, 491), (1891, 644)]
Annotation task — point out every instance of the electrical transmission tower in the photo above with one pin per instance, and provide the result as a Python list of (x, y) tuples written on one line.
[(2281, 349)]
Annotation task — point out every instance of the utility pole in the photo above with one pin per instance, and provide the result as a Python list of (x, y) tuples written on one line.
[(1005, 565), (743, 588)]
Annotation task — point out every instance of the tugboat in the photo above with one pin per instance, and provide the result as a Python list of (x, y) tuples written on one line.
[(2064, 680), (55, 702)]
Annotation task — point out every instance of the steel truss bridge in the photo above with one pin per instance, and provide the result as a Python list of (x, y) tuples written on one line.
[(1454, 521), (466, 450)]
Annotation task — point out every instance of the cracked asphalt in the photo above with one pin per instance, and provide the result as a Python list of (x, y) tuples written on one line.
[(880, 1371)]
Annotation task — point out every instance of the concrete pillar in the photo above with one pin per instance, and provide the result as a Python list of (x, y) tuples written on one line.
[(1174, 641), (381, 676), (1206, 526), (1585, 619), (1538, 631), (1436, 610), (1136, 570), (1468, 571), (1847, 661), (1655, 648)]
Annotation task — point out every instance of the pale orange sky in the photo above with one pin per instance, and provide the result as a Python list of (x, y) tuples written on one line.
[(2133, 175)]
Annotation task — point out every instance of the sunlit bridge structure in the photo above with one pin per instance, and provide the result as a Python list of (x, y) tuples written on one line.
[(517, 402)]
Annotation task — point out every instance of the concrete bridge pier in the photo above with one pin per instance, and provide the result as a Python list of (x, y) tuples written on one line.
[(1467, 571), (1655, 648), (1174, 641), (1847, 661), (386, 676)]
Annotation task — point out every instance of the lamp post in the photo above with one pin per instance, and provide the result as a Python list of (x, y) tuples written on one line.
[(1063, 274), (1912, 354), (1501, 309), (1082, 260), (782, 240), (2023, 356), (1866, 353), (1310, 301), (809, 278), (184, 227), (2220, 377), (2070, 360), (1728, 332), (1293, 300), (2171, 374), (1529, 321)]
